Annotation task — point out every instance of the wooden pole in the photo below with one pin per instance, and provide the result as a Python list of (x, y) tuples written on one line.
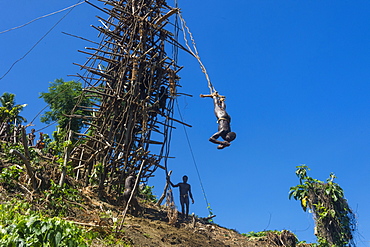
[(66, 159), (164, 190)]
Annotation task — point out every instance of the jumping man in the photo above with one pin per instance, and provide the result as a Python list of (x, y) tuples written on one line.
[(223, 120)]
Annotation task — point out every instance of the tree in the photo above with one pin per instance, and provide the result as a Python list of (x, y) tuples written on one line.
[(334, 219), (64, 99), (9, 111)]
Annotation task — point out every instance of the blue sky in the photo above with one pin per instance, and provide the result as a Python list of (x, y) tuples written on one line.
[(296, 77)]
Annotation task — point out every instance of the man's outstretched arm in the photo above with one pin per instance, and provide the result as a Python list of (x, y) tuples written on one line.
[(169, 181)]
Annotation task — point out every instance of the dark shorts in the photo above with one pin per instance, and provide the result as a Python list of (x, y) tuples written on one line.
[(184, 199)]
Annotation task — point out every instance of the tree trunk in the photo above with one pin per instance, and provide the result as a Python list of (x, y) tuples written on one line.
[(29, 169)]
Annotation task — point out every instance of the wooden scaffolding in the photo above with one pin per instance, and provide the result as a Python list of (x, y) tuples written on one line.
[(135, 81)]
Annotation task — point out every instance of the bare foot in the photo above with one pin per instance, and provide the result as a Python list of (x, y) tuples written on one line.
[(223, 145), (226, 143), (220, 146)]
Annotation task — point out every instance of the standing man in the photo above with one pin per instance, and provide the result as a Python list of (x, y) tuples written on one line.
[(223, 120), (31, 137), (185, 192), (40, 144)]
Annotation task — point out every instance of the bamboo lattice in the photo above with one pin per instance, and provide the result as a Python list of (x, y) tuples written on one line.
[(135, 81)]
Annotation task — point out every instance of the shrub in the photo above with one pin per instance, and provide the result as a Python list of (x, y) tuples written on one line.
[(20, 226)]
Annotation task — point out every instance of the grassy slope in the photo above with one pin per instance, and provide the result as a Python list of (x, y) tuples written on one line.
[(103, 215)]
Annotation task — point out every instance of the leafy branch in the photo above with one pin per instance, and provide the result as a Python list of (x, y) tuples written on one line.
[(335, 221)]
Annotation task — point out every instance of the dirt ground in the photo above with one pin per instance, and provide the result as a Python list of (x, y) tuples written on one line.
[(152, 228)]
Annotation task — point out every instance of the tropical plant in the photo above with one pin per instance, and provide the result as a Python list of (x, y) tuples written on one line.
[(59, 198), (335, 221), (9, 110), (64, 99), (275, 238), (146, 192), (9, 175), (210, 220), (19, 226), (253, 234), (5, 148)]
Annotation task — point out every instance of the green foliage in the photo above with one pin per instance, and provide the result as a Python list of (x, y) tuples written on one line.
[(253, 234), (111, 240), (210, 213), (9, 111), (147, 193), (5, 148), (58, 198), (335, 221), (56, 144), (19, 226), (62, 98), (97, 172), (9, 174)]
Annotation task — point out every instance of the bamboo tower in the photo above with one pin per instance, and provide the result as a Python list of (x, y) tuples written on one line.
[(135, 81)]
